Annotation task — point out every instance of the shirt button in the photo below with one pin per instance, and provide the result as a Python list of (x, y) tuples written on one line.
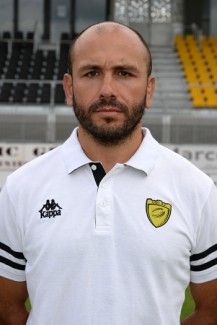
[(103, 204), (94, 167)]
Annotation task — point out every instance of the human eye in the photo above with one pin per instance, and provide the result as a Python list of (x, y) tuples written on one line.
[(91, 74), (124, 73)]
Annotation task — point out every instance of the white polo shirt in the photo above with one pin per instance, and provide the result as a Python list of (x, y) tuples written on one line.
[(120, 253)]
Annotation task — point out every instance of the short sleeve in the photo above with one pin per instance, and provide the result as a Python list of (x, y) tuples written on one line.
[(204, 257), (12, 259)]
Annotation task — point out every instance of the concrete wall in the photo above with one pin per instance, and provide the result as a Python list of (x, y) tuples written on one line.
[(30, 14), (6, 15), (156, 34), (60, 18), (213, 17)]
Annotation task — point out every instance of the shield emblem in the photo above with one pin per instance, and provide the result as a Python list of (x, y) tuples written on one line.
[(158, 212)]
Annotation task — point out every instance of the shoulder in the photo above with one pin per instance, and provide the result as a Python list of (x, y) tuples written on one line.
[(181, 168), (172, 166), (35, 169), (177, 160)]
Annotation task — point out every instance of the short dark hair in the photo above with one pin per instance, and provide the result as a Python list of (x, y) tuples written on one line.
[(72, 46)]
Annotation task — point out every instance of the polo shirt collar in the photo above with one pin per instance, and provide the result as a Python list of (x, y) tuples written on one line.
[(146, 155), (73, 155), (143, 159)]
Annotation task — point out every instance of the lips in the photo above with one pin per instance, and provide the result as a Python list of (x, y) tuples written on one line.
[(108, 106), (108, 109)]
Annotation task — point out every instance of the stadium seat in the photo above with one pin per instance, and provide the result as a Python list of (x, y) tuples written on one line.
[(6, 92), (18, 35), (49, 65), (36, 65), (12, 70), (62, 67), (59, 94), (6, 35), (30, 35), (197, 95), (3, 56), (211, 96), (199, 61), (45, 94), (64, 36), (19, 91), (32, 94)]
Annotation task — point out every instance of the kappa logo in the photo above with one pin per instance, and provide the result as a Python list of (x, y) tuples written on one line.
[(50, 209), (158, 212)]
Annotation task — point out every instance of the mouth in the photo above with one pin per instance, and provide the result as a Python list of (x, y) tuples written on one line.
[(108, 109)]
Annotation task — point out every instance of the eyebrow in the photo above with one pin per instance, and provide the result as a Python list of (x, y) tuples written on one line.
[(117, 67), (89, 67), (126, 67)]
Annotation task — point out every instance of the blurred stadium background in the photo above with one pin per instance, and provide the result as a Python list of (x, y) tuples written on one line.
[(34, 40)]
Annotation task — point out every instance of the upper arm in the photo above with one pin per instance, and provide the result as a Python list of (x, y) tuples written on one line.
[(13, 295), (205, 297), (13, 290)]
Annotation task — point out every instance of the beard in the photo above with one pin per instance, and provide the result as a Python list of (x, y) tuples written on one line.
[(108, 134)]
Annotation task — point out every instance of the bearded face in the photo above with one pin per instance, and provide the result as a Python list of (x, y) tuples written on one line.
[(112, 129)]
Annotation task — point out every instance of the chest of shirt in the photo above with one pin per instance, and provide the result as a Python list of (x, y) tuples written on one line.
[(126, 215)]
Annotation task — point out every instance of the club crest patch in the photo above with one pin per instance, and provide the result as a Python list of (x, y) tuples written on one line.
[(158, 212)]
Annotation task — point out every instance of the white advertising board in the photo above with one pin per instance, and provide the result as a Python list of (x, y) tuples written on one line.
[(14, 155)]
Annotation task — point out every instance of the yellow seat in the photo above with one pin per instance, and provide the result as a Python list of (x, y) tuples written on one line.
[(197, 96), (204, 76), (211, 96), (199, 102), (214, 76), (199, 63)]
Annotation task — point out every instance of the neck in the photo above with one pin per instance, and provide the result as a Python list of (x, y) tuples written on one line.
[(110, 155)]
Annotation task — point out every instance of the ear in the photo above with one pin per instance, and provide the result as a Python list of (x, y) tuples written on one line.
[(67, 85), (150, 91)]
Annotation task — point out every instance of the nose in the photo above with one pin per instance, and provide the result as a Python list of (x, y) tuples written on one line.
[(107, 89)]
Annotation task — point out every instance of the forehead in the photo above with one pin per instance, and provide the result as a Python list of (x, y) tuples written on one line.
[(109, 41)]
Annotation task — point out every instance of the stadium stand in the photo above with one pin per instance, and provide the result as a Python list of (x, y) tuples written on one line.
[(171, 88), (24, 61), (30, 64), (199, 61), (32, 67)]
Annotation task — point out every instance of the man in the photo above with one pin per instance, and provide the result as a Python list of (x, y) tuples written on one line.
[(110, 227)]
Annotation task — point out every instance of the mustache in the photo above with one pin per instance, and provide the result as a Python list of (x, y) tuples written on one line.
[(108, 102)]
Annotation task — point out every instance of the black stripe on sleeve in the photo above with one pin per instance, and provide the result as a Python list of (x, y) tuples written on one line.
[(204, 266), (207, 252), (12, 264), (11, 252)]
